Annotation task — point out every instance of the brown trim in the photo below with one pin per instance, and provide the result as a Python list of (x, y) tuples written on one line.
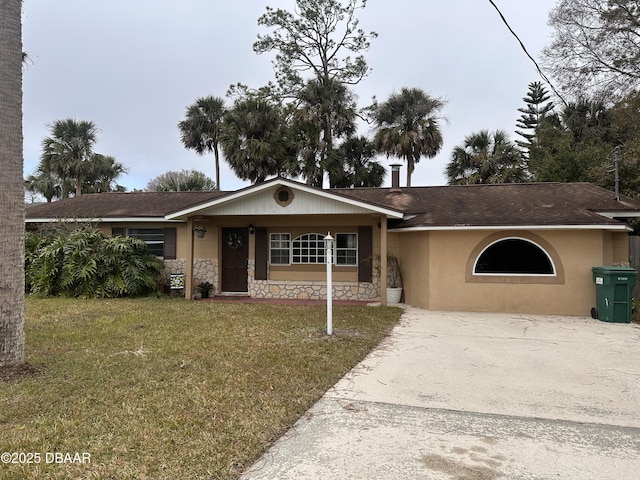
[(262, 253), (517, 279), (365, 254), (188, 281), (170, 243), (383, 259), (234, 270)]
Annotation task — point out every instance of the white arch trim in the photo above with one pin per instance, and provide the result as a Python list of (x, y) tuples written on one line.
[(553, 265)]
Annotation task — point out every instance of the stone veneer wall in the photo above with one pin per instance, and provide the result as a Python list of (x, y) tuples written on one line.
[(311, 290), (205, 269)]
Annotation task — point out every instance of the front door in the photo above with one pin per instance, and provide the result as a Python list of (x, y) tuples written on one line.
[(235, 256)]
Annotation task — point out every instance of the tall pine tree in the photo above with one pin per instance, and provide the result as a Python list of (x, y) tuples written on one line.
[(532, 113)]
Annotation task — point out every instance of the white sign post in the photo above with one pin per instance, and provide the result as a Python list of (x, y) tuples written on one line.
[(328, 240)]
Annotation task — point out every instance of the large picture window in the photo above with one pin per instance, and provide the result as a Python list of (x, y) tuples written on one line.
[(310, 248), (513, 256)]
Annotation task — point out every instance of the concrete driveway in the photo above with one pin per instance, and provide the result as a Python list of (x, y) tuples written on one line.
[(476, 396)]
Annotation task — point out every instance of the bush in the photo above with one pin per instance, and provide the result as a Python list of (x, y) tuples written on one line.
[(86, 263)]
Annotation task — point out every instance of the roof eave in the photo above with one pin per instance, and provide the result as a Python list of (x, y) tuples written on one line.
[(101, 220), (619, 214), (426, 228)]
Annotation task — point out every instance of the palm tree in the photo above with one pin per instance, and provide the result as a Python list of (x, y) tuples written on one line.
[(69, 150), (587, 121), (408, 126), (105, 173), (486, 157), (326, 111), (43, 183), (200, 130), (357, 168), (11, 186), (254, 140)]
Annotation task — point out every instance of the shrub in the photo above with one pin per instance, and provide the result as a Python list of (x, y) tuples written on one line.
[(86, 263)]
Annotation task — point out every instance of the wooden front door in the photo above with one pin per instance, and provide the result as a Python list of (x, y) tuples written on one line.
[(235, 256)]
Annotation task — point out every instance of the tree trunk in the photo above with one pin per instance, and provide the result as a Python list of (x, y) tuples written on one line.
[(410, 167), (11, 187), (216, 154)]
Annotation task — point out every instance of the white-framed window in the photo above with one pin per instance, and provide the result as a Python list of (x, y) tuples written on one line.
[(514, 256), (308, 248), (153, 237), (280, 249), (346, 249)]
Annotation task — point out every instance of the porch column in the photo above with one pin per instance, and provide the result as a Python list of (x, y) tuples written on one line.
[(383, 260), (188, 274)]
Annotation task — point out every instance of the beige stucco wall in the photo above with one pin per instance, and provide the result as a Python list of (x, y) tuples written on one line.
[(436, 272), (104, 228)]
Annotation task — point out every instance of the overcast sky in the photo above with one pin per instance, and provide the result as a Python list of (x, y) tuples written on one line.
[(133, 66)]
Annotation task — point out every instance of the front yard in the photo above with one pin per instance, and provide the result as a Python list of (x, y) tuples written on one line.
[(167, 389)]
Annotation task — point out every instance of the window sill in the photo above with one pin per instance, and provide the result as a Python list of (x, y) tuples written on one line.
[(515, 279)]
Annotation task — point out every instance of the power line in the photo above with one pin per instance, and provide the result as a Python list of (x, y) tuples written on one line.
[(524, 48)]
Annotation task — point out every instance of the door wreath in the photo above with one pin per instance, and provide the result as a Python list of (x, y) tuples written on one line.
[(235, 241)]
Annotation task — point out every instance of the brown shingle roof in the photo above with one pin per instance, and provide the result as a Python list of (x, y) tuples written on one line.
[(500, 205), (118, 205), (444, 206)]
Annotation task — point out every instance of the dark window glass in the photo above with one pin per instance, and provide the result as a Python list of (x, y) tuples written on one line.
[(153, 237), (280, 248), (346, 249), (514, 256), (308, 248)]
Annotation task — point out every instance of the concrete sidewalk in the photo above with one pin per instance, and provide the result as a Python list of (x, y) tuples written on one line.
[(476, 396)]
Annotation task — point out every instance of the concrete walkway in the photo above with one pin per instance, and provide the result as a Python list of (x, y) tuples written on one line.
[(462, 396)]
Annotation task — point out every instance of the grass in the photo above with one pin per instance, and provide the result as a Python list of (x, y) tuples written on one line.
[(167, 389)]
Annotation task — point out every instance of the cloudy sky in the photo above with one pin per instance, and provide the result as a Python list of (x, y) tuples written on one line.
[(133, 66)]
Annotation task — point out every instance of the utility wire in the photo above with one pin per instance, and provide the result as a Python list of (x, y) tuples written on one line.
[(546, 79)]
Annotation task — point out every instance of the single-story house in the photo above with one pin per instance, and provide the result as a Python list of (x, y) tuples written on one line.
[(506, 248)]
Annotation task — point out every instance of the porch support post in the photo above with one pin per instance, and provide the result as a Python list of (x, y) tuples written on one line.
[(188, 274), (383, 260)]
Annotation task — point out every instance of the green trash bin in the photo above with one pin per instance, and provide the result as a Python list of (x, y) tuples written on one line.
[(614, 290)]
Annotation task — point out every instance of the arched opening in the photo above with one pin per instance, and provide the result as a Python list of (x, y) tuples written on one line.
[(308, 248), (514, 256)]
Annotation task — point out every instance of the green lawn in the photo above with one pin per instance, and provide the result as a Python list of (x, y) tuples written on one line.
[(169, 389)]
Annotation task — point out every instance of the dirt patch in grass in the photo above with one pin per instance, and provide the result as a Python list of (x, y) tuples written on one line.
[(15, 373)]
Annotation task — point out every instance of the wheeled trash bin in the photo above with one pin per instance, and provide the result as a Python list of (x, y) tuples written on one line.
[(614, 288)]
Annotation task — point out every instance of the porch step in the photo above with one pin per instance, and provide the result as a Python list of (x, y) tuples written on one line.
[(232, 294)]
